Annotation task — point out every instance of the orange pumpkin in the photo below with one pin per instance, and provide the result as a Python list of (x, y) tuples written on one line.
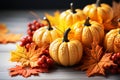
[(101, 13), (71, 16), (112, 40), (45, 34), (66, 52), (86, 31)]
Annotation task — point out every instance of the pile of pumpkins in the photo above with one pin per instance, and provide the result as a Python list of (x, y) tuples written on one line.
[(87, 24)]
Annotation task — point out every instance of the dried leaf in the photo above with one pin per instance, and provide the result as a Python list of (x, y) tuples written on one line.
[(55, 21), (27, 57), (9, 38), (26, 71), (3, 29), (95, 61)]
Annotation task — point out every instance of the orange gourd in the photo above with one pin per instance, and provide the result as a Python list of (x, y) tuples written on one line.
[(112, 40), (86, 31), (45, 34), (101, 13), (71, 16), (66, 52)]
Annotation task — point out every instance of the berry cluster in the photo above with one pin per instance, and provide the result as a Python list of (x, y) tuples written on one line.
[(45, 61), (32, 27), (116, 59)]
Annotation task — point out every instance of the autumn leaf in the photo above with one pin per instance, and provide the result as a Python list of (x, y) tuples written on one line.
[(6, 37), (9, 38), (54, 20), (3, 28), (95, 61), (27, 57), (26, 71)]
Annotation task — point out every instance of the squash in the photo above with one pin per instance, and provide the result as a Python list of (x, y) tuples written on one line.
[(101, 13), (66, 52), (112, 40), (45, 34), (71, 16), (86, 31)]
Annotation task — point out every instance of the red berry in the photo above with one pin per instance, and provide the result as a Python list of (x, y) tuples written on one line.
[(37, 25), (29, 32), (35, 21), (44, 65), (40, 61), (33, 27), (49, 61), (27, 45), (29, 24), (29, 39)]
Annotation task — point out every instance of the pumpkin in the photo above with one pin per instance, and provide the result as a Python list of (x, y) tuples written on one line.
[(101, 13), (45, 34), (86, 31), (112, 40), (66, 52), (71, 16)]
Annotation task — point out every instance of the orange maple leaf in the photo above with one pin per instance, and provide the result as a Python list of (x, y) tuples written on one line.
[(27, 57), (3, 28), (26, 71), (9, 38), (6, 37), (95, 61)]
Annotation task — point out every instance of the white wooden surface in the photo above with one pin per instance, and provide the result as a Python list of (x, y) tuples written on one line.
[(17, 21)]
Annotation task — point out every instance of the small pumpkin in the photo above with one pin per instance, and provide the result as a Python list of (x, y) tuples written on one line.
[(101, 13), (71, 16), (112, 40), (66, 52), (86, 31), (45, 34)]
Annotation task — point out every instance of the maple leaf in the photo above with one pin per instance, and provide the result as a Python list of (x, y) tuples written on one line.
[(3, 29), (27, 57), (95, 61), (6, 38), (26, 71)]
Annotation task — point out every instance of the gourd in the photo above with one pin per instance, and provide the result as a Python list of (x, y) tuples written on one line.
[(101, 13), (45, 34), (86, 31), (71, 16), (66, 52), (112, 40)]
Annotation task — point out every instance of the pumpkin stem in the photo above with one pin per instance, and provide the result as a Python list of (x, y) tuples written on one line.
[(98, 3), (118, 22), (72, 8), (87, 23), (49, 25), (65, 38), (119, 31)]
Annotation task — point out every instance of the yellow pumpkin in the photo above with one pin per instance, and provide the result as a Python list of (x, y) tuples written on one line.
[(45, 34), (112, 40), (71, 16), (86, 31), (101, 13), (66, 52)]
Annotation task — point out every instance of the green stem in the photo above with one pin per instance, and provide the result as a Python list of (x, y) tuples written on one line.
[(49, 25), (72, 8), (65, 38), (87, 23), (98, 3), (119, 31)]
